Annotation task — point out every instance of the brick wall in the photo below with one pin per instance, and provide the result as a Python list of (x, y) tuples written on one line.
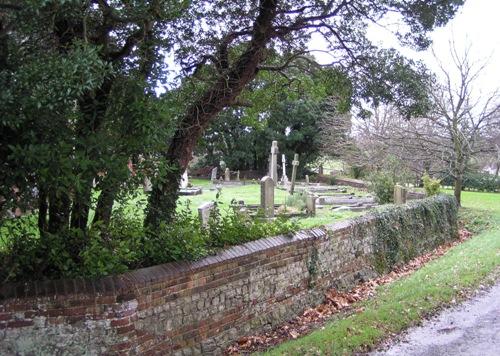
[(198, 307)]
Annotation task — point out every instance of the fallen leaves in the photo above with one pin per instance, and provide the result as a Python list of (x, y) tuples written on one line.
[(335, 302)]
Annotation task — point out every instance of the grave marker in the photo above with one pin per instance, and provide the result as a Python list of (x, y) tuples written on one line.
[(295, 163), (399, 194), (204, 211), (311, 204), (184, 180), (213, 177), (307, 179), (267, 196), (284, 178), (274, 162), (238, 176), (227, 175)]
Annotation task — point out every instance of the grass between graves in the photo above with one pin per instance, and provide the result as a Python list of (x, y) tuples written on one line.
[(249, 193), (403, 303)]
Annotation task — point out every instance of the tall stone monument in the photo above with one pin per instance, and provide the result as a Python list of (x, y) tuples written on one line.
[(284, 178), (274, 162), (267, 196), (295, 164)]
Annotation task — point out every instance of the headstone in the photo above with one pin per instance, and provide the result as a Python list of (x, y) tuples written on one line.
[(295, 164), (227, 175), (184, 179), (320, 169), (222, 165), (311, 204), (238, 176), (213, 177), (284, 178), (274, 162), (204, 211), (399, 194), (267, 196), (146, 185), (307, 179)]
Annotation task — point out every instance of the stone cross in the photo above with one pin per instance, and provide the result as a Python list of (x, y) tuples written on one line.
[(204, 211), (213, 177), (274, 162), (267, 196), (311, 204), (399, 194), (295, 164), (284, 178), (184, 180), (307, 179), (227, 175)]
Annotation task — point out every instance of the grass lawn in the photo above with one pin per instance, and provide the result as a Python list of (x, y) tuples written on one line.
[(249, 193), (403, 303)]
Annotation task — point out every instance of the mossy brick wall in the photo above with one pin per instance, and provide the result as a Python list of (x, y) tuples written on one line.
[(200, 307)]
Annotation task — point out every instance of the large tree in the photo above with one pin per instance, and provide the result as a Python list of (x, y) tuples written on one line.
[(228, 44), (78, 82)]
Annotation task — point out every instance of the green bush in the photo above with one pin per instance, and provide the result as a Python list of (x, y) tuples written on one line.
[(297, 200), (382, 185), (432, 186), (395, 237), (483, 182), (124, 244)]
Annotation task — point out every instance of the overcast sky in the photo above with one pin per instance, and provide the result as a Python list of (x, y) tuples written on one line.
[(477, 24)]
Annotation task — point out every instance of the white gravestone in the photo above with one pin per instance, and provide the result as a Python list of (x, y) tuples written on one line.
[(295, 164), (204, 211), (284, 178), (184, 180), (227, 175)]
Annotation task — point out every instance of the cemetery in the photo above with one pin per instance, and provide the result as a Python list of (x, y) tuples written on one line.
[(228, 177)]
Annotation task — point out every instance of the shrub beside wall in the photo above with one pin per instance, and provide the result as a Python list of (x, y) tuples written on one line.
[(200, 307)]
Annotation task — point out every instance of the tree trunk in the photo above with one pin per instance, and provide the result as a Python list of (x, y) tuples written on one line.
[(104, 206), (59, 208), (42, 211), (458, 189), (164, 195), (163, 199)]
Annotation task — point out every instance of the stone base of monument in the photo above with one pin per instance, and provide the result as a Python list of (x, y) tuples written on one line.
[(253, 210), (190, 191)]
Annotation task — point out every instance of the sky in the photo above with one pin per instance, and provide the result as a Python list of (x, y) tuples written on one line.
[(477, 24)]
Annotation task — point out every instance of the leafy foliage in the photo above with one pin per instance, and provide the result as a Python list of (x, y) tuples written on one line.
[(432, 186), (124, 244), (396, 241), (382, 185)]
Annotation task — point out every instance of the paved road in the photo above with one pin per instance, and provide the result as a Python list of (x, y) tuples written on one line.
[(472, 328)]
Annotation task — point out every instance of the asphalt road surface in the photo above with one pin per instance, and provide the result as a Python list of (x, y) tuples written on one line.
[(471, 328)]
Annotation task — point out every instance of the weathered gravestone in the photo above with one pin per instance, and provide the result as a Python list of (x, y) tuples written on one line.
[(213, 177), (274, 162), (320, 169), (238, 176), (227, 175), (267, 196), (295, 164), (204, 211), (311, 204), (399, 194), (307, 179)]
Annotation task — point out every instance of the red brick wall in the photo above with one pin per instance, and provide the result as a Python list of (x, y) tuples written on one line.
[(188, 308)]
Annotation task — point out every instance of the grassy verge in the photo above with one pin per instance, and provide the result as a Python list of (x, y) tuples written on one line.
[(404, 302)]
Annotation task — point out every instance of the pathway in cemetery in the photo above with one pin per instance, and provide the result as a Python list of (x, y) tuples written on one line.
[(472, 328)]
